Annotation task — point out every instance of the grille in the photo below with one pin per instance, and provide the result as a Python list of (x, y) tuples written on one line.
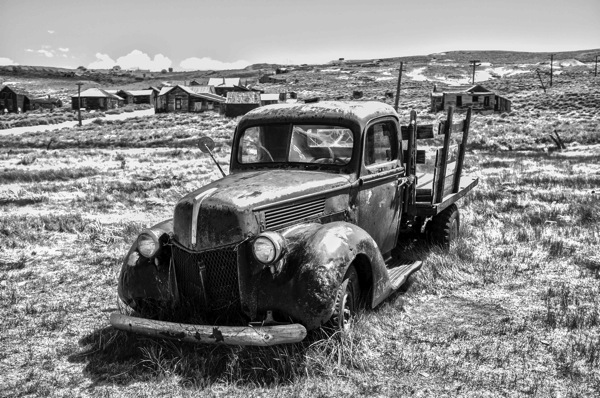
[(208, 278), (278, 218)]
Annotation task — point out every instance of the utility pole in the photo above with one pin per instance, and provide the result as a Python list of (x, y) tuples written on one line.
[(399, 84), (475, 64), (551, 68), (79, 84)]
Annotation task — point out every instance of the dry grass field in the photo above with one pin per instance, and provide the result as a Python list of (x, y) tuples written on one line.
[(513, 309)]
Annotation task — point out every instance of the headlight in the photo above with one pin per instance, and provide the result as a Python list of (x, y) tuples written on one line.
[(147, 244), (268, 247)]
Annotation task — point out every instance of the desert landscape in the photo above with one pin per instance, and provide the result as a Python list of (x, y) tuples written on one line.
[(513, 309)]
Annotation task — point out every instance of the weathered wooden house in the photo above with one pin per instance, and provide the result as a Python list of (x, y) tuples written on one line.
[(240, 103), (14, 99), (224, 85), (97, 99), (188, 99), (137, 96), (477, 97), (272, 79)]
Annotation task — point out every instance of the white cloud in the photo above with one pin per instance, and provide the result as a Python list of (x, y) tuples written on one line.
[(140, 60), (47, 53), (134, 60), (103, 61), (206, 63), (63, 49), (51, 32), (29, 50), (7, 61)]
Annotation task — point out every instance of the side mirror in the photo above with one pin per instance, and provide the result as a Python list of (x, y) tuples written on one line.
[(206, 144)]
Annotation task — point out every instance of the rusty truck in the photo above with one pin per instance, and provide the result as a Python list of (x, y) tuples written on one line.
[(302, 231)]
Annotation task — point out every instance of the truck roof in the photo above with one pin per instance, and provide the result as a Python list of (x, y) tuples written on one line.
[(359, 112)]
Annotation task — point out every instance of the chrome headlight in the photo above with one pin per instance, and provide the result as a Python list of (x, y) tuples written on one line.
[(268, 247), (148, 244)]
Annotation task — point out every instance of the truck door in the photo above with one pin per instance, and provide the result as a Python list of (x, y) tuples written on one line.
[(379, 196)]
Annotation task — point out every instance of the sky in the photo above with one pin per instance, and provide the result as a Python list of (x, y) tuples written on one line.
[(230, 34)]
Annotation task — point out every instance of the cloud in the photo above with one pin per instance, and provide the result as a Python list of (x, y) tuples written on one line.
[(206, 63), (140, 60), (47, 53), (103, 61), (134, 60), (63, 49), (7, 61), (51, 32), (29, 50)]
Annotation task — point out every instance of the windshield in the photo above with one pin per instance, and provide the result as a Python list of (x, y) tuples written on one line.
[(296, 143)]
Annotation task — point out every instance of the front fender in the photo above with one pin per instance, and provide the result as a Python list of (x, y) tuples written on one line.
[(308, 277), (147, 279)]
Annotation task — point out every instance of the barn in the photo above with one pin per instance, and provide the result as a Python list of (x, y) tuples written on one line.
[(98, 99), (188, 99), (15, 100), (137, 96), (477, 97), (239, 103)]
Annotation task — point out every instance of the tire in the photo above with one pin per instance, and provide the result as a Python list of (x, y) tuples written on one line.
[(347, 301), (443, 228)]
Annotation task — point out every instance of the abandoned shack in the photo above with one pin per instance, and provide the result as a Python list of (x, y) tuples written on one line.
[(14, 100), (188, 99), (137, 96), (238, 103), (477, 97), (224, 85), (97, 99), (268, 99)]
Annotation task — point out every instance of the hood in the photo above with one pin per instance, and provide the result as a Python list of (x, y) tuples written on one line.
[(221, 213)]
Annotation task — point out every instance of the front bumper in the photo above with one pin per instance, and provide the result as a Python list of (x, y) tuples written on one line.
[(207, 334)]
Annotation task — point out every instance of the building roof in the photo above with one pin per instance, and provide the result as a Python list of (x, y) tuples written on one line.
[(97, 93), (196, 91), (17, 90), (202, 89), (224, 82), (138, 93), (269, 97), (476, 89), (243, 97)]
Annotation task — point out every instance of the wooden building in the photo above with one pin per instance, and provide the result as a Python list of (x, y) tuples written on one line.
[(224, 85), (188, 99), (14, 100), (137, 96), (97, 99), (476, 97), (239, 103)]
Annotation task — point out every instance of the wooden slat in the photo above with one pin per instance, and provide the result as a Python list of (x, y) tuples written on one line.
[(442, 159), (423, 132), (461, 153), (420, 158), (452, 155), (456, 127)]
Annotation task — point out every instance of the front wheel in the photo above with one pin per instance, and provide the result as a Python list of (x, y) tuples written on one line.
[(443, 228), (347, 301)]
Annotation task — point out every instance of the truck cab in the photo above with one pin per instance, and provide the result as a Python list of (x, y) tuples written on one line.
[(299, 234)]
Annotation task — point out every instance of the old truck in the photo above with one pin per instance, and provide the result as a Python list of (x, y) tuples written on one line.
[(303, 230)]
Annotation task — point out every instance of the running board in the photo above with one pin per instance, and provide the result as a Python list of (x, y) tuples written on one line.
[(399, 272)]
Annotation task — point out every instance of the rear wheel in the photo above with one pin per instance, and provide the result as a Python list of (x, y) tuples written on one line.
[(443, 228), (347, 301)]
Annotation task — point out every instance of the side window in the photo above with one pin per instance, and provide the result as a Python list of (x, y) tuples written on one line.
[(381, 144)]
